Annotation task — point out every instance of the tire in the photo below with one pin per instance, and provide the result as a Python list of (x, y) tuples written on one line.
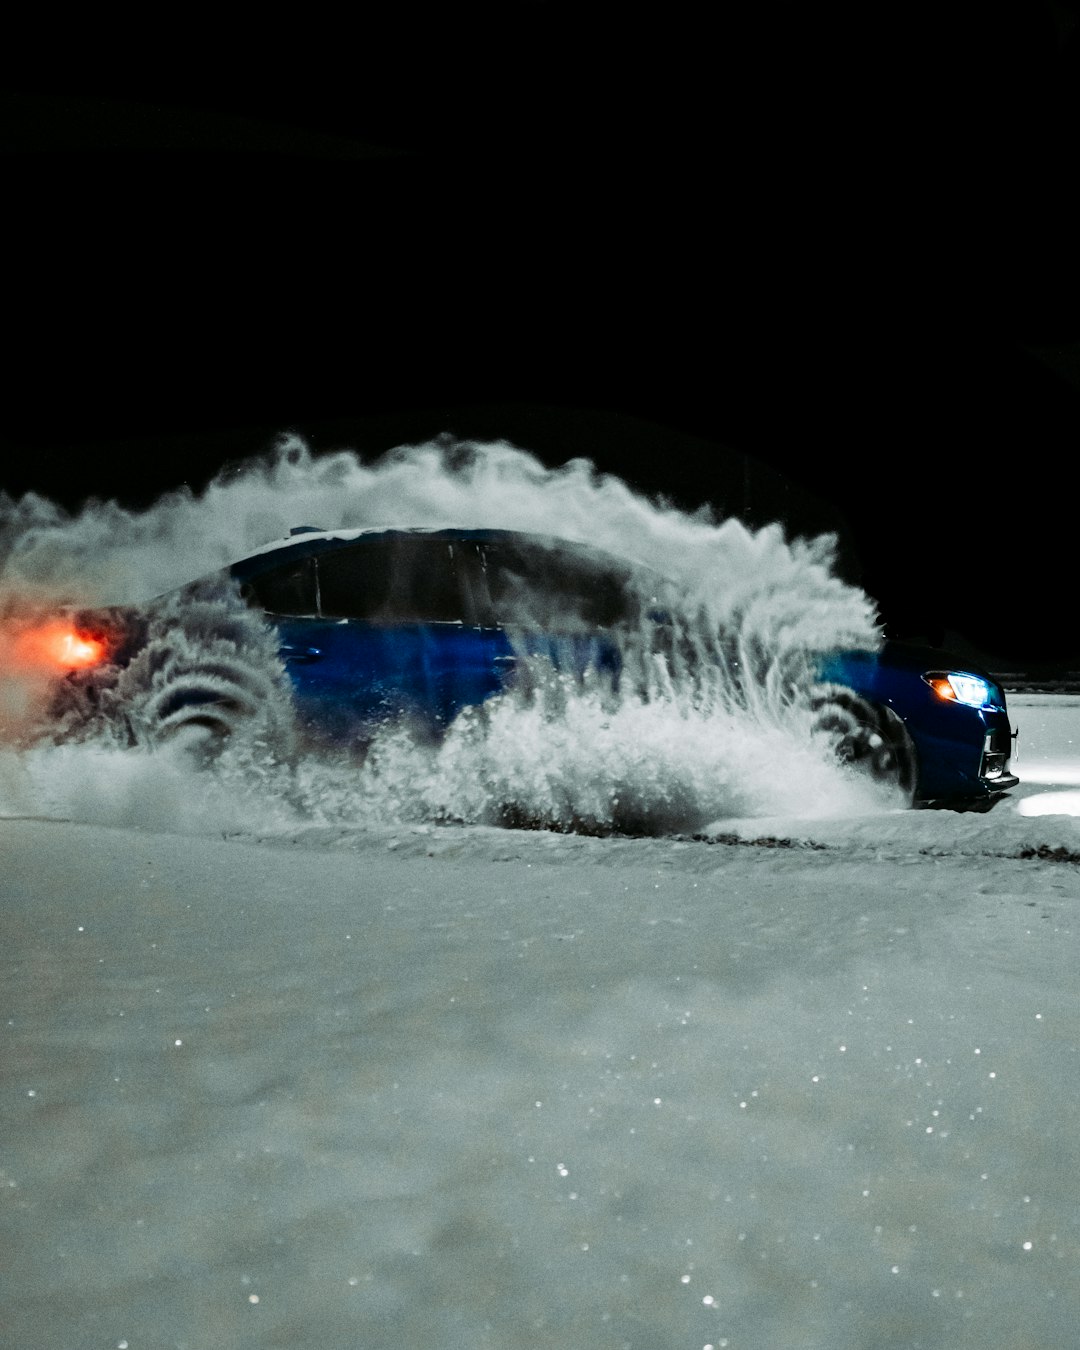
[(208, 674), (870, 740)]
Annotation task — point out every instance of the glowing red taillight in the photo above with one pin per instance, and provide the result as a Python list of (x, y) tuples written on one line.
[(73, 650), (58, 644)]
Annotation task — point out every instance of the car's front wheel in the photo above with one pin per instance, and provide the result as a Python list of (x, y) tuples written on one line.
[(869, 739)]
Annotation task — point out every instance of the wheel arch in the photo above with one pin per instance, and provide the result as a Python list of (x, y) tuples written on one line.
[(868, 734)]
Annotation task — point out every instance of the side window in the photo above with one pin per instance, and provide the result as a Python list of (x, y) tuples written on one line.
[(289, 589), (400, 579), (532, 586), (354, 582)]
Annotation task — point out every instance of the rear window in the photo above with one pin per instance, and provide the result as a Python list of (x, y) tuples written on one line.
[(285, 590)]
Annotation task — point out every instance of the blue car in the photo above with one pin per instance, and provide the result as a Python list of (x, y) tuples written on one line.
[(374, 626)]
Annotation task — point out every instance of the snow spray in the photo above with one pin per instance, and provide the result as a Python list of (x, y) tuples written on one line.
[(692, 740)]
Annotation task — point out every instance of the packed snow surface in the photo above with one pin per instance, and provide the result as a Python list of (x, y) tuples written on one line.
[(321, 1085), (462, 1086), (298, 1056)]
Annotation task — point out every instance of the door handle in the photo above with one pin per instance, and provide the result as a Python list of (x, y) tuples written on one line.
[(299, 655)]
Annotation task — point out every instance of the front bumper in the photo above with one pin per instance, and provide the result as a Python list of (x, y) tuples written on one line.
[(966, 763), (994, 771)]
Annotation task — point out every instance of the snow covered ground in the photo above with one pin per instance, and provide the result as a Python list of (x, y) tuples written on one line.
[(402, 1085)]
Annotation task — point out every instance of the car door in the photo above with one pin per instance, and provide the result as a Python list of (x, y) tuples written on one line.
[(389, 629), (559, 604)]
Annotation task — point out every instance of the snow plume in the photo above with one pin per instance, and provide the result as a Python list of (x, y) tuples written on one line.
[(567, 761), (110, 555), (569, 758), (707, 728)]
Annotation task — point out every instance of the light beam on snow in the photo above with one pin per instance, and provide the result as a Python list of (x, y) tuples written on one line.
[(1050, 804), (1054, 772)]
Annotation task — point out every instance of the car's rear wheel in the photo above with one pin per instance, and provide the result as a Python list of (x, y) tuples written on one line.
[(209, 671), (870, 739)]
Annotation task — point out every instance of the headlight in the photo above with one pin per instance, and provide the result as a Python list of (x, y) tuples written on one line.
[(971, 690)]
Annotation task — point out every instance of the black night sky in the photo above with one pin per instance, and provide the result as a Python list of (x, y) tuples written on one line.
[(826, 277)]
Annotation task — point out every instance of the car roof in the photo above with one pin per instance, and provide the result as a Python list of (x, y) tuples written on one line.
[(306, 541)]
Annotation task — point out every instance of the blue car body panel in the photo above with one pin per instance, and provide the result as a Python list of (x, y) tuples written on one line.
[(351, 673), (349, 676)]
